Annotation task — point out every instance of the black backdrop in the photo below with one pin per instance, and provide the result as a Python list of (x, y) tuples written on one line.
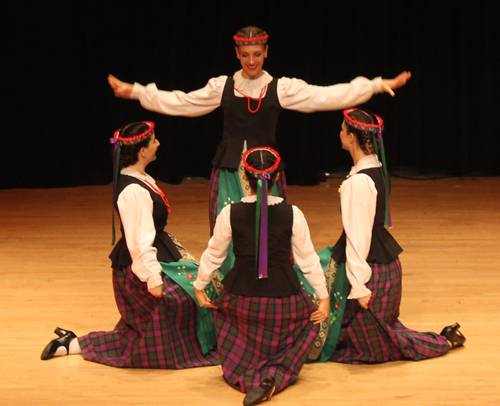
[(59, 111)]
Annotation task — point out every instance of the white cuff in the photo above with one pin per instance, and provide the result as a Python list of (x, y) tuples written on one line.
[(359, 291), (154, 281), (137, 91), (377, 85), (199, 285), (321, 293)]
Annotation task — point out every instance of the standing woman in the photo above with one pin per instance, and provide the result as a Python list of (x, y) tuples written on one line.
[(251, 100), (265, 322), (159, 319), (371, 331)]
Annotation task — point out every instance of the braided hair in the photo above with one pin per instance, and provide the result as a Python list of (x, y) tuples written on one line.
[(364, 137), (256, 33), (261, 159), (129, 153)]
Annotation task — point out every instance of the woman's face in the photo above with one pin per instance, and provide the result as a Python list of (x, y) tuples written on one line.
[(149, 152), (344, 137), (252, 59)]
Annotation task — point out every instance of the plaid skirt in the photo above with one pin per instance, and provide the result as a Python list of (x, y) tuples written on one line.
[(152, 332), (376, 335), (262, 336)]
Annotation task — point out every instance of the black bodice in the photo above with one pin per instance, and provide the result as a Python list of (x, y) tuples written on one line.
[(243, 279), (167, 250)]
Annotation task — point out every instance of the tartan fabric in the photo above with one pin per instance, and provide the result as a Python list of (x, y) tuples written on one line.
[(376, 335), (262, 336), (152, 332)]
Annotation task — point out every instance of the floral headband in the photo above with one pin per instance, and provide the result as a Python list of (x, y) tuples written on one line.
[(261, 40)]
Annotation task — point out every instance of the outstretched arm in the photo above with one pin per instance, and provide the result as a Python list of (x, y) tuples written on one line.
[(121, 89), (173, 103), (388, 85), (295, 94)]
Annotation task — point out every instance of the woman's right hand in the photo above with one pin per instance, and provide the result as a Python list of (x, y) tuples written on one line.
[(364, 301), (203, 299), (121, 89), (320, 315)]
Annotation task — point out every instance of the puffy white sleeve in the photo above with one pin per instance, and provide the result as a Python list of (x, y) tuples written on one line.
[(216, 252), (296, 94), (178, 103), (136, 214), (358, 203), (306, 257)]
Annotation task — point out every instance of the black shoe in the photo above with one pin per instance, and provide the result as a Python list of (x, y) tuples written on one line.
[(260, 393), (453, 335), (65, 337), (61, 332)]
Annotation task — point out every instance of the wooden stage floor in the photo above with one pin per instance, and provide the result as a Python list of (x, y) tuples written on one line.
[(54, 245)]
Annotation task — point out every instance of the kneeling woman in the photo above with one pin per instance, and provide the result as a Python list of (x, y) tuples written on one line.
[(371, 331), (158, 325), (265, 322)]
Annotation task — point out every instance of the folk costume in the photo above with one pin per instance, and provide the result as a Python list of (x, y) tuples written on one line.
[(251, 108), (370, 256), (152, 332), (263, 326)]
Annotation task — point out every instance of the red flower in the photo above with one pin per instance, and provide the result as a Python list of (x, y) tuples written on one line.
[(336, 306), (189, 276)]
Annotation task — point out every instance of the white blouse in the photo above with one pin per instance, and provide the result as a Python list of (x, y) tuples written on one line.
[(303, 250), (136, 213), (293, 94), (358, 201)]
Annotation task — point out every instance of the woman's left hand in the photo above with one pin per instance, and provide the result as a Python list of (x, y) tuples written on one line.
[(389, 84), (323, 311), (157, 291), (121, 89), (203, 299)]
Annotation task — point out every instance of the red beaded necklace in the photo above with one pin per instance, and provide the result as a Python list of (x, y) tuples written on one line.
[(160, 192), (262, 92)]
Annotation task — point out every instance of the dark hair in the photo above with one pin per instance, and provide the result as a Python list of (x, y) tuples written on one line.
[(251, 32), (129, 153), (261, 160), (365, 138)]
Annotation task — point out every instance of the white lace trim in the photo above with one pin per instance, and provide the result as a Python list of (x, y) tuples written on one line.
[(251, 87), (271, 200), (132, 172), (369, 161)]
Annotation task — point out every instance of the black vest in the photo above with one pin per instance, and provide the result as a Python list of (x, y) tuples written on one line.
[(383, 248), (167, 251), (258, 129), (243, 279)]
